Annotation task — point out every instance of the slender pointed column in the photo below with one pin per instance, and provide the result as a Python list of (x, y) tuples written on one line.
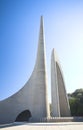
[(40, 72), (54, 87), (41, 63)]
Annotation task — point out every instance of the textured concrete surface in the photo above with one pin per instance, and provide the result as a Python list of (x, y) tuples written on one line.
[(45, 126), (60, 103), (33, 96)]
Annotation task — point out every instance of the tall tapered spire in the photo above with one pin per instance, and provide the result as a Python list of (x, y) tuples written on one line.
[(41, 70)]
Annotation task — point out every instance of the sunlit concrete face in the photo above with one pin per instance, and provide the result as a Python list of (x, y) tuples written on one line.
[(33, 97), (60, 104)]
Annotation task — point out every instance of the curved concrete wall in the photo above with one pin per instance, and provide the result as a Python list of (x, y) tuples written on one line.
[(60, 103), (33, 96)]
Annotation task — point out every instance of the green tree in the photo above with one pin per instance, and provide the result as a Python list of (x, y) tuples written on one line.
[(76, 102)]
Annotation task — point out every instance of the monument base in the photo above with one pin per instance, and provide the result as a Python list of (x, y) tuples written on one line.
[(62, 119)]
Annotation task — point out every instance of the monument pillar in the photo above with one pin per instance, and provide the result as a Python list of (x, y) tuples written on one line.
[(60, 103)]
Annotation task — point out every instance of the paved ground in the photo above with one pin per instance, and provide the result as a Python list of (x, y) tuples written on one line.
[(44, 126)]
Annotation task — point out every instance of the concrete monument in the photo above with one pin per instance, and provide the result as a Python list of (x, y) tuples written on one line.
[(31, 102)]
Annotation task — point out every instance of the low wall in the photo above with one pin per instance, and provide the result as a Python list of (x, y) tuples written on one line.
[(62, 119)]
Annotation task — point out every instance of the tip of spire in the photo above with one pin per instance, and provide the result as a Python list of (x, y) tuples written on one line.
[(41, 31), (53, 50), (41, 18), (54, 54), (41, 25)]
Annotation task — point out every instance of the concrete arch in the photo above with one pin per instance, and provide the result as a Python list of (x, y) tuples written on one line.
[(23, 116)]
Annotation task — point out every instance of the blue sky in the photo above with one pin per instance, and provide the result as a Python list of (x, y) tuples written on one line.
[(19, 31)]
